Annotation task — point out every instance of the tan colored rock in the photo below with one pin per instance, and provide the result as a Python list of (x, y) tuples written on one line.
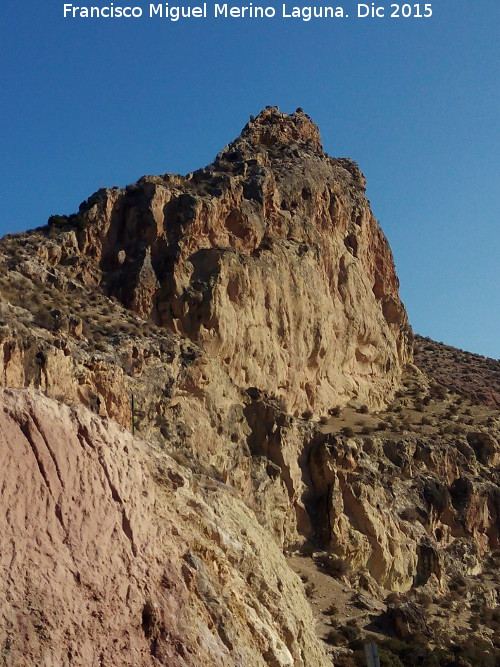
[(203, 254), (183, 399), (271, 260), (299, 484), (359, 526)]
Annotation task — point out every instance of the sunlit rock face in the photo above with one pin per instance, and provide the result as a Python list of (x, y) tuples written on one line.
[(153, 476), (270, 259)]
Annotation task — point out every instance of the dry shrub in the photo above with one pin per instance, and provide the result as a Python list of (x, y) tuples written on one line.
[(335, 638), (332, 565)]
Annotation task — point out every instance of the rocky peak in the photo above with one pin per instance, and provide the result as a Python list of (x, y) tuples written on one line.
[(274, 128), (275, 239)]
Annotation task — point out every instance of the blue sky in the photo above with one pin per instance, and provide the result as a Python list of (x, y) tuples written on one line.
[(416, 102)]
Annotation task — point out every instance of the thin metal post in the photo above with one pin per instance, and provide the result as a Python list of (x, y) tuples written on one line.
[(371, 655), (132, 404)]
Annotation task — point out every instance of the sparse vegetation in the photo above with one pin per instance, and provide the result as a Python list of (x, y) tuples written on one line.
[(350, 631), (335, 638), (333, 565)]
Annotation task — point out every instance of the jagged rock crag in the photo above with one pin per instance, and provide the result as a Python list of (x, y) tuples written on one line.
[(270, 259), (234, 306)]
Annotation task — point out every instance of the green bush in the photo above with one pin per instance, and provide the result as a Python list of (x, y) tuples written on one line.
[(57, 221), (350, 632)]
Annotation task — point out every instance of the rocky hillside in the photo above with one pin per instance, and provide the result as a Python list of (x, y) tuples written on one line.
[(209, 386), (470, 375)]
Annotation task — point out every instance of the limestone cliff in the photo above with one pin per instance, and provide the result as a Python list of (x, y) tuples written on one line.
[(175, 348), (270, 259)]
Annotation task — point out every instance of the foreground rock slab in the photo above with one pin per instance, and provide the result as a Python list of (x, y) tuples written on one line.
[(113, 554)]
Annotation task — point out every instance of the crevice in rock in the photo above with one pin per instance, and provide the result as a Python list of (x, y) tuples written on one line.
[(26, 428), (27, 432), (49, 449)]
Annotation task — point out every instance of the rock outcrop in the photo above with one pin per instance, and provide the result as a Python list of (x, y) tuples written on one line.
[(270, 259), (406, 519), (219, 317), (113, 554)]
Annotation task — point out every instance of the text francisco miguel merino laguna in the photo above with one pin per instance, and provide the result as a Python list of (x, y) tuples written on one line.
[(250, 11)]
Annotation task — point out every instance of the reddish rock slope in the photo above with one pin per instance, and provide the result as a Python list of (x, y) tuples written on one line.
[(112, 554)]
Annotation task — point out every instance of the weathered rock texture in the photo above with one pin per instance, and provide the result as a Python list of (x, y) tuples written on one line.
[(113, 554), (183, 399), (216, 316), (270, 259), (406, 510)]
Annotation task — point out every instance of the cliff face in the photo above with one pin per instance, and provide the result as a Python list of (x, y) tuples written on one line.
[(217, 316), (270, 259)]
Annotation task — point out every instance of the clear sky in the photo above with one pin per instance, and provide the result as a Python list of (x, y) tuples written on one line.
[(88, 103)]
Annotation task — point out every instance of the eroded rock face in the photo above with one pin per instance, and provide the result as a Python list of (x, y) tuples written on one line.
[(405, 521), (113, 554), (183, 401), (276, 297), (402, 510), (270, 259)]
